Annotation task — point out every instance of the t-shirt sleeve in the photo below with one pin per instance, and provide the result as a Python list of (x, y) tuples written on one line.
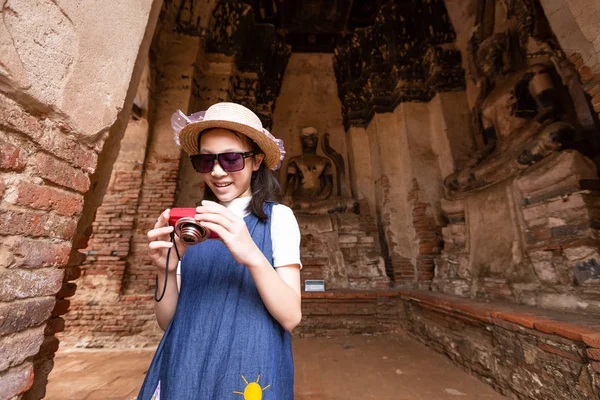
[(285, 236)]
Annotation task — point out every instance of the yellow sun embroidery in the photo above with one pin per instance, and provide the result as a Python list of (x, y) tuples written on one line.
[(253, 390)]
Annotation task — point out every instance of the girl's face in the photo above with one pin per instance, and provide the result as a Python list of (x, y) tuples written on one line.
[(228, 185)]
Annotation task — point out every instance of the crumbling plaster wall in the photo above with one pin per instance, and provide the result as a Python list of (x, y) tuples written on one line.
[(409, 152), (67, 85)]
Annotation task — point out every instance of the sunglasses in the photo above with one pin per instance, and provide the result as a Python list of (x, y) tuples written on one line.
[(230, 162)]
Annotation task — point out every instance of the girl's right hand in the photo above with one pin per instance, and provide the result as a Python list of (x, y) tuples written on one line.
[(160, 242)]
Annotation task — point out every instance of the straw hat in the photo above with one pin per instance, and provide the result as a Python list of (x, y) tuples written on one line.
[(237, 118)]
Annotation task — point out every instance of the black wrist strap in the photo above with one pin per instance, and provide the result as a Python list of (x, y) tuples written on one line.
[(156, 298)]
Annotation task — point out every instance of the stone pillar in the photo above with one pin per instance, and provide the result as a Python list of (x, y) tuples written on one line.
[(360, 164), (409, 190), (451, 135)]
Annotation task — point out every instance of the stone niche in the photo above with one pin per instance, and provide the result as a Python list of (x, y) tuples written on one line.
[(522, 210), (340, 241)]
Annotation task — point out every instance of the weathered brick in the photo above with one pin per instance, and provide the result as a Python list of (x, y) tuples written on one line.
[(49, 346), (54, 325), (12, 157), (56, 142), (61, 173), (61, 307), (13, 116), (594, 354), (18, 346), (16, 380), (25, 283), (31, 223), (48, 198), (68, 290), (22, 314), (40, 253), (72, 273)]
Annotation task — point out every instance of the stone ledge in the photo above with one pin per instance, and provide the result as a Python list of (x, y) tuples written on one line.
[(350, 295), (574, 326)]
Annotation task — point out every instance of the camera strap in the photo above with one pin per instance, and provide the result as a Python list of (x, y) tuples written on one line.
[(156, 298)]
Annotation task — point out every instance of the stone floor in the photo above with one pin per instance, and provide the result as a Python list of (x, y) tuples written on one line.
[(392, 367)]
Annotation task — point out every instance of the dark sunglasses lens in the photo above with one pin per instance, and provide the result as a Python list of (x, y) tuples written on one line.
[(231, 162), (203, 163)]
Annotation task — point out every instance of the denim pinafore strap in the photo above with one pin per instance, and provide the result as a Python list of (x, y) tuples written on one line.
[(222, 343)]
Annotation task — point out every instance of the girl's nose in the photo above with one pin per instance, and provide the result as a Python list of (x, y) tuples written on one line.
[(217, 171)]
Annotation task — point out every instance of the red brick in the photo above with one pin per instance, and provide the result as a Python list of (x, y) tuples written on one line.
[(18, 346), (13, 116), (49, 346), (33, 223), (594, 90), (61, 173), (56, 142), (48, 198), (559, 352), (41, 253), (594, 354), (72, 273), (524, 319), (20, 283), (68, 290), (12, 157), (16, 380), (54, 325), (586, 73), (592, 340), (564, 329), (22, 314), (61, 308)]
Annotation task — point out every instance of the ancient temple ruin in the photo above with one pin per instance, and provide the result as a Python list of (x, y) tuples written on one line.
[(442, 161)]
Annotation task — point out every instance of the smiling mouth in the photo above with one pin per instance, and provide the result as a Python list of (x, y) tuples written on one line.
[(222, 185)]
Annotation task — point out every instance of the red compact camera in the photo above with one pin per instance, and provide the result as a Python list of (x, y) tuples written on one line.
[(187, 228)]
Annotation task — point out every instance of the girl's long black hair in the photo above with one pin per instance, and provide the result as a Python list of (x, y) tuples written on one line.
[(263, 184)]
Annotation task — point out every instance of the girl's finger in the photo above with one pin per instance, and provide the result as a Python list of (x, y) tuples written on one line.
[(215, 219), (159, 244), (215, 208), (163, 218), (216, 228), (156, 233)]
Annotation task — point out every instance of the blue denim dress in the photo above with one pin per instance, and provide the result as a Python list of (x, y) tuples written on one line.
[(222, 343)]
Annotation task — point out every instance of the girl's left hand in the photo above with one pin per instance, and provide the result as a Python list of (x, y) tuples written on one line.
[(231, 229)]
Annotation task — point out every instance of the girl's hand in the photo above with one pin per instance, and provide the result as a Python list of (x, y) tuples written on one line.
[(231, 229), (160, 242)]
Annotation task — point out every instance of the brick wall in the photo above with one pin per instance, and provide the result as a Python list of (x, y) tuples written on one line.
[(44, 173), (521, 352), (589, 81)]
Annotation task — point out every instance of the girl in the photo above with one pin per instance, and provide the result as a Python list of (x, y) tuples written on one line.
[(227, 326)]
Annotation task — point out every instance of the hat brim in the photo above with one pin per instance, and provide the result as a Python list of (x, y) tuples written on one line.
[(188, 137)]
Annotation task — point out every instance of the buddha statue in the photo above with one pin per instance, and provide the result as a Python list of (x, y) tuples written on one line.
[(518, 111), (310, 178)]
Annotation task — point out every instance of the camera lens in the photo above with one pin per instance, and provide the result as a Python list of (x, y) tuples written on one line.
[(190, 232)]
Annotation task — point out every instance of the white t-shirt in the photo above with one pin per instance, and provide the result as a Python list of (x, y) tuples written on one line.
[(285, 233)]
